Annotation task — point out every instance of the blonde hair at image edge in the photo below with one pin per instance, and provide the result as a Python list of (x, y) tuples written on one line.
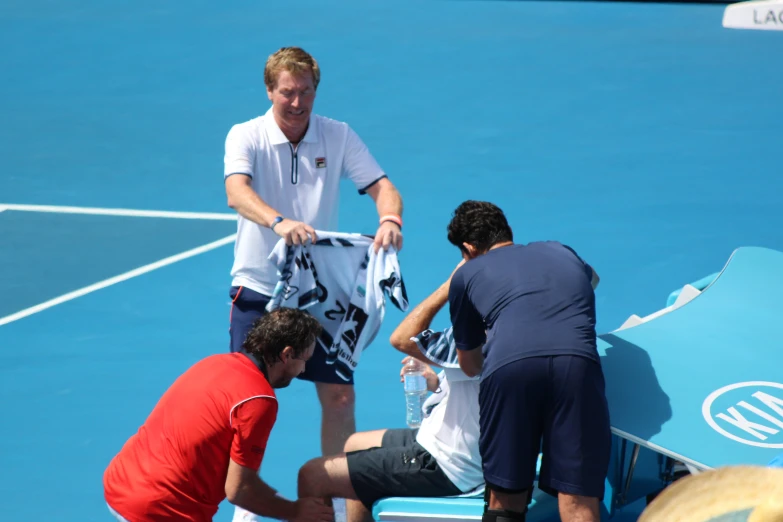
[(295, 60), (700, 497)]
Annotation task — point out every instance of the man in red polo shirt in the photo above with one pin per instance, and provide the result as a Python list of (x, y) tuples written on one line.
[(206, 437)]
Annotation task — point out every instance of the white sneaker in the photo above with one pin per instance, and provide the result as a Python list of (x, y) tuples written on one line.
[(242, 515)]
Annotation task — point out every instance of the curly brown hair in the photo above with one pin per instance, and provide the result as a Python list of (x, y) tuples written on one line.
[(478, 223), (280, 328)]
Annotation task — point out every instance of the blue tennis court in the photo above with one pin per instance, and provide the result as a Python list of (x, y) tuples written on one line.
[(644, 135)]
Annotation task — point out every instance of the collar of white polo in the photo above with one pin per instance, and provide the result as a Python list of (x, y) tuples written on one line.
[(276, 136)]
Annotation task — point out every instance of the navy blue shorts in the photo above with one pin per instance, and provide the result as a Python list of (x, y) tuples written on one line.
[(247, 306), (554, 405)]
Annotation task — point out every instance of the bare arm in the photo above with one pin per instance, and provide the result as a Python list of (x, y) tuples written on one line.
[(418, 320), (471, 361), (387, 198), (245, 200), (388, 202), (244, 488)]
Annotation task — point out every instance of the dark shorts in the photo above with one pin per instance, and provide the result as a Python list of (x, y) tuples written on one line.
[(247, 306), (401, 467), (553, 405)]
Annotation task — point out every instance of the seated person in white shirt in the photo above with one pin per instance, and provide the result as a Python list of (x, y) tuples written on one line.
[(439, 459)]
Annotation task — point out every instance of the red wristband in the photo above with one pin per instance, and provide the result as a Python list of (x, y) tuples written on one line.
[(393, 218)]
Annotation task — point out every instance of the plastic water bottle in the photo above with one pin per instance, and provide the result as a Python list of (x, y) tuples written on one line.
[(415, 386)]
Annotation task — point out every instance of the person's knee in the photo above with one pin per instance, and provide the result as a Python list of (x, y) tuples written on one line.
[(337, 399), (354, 443), (325, 477), (312, 477)]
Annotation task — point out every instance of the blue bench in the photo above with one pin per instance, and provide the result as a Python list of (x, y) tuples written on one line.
[(542, 508)]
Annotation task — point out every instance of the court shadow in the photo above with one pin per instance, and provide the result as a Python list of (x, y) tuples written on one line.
[(637, 403)]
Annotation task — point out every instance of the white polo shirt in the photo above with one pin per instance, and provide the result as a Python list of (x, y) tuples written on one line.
[(302, 183)]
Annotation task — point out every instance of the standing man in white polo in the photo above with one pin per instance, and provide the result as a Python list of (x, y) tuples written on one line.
[(282, 176)]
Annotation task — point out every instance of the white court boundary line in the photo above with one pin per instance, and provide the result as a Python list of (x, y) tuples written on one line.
[(119, 212), (116, 279)]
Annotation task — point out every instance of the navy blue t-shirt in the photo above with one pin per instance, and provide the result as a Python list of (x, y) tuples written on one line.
[(532, 300)]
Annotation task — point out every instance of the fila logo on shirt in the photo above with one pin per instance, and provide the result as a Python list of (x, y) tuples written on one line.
[(320, 163)]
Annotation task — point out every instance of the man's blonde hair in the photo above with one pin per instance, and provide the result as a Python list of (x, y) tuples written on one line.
[(295, 60)]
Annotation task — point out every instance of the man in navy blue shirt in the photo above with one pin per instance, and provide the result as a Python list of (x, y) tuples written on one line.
[(524, 319)]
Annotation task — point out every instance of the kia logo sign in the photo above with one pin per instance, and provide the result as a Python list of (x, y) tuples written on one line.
[(748, 412)]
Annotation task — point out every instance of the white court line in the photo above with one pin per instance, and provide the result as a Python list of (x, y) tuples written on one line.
[(116, 279), (119, 212)]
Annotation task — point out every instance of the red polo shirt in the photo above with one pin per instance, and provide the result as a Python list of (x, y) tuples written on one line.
[(175, 466)]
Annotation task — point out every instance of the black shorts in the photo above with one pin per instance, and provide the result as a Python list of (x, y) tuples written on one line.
[(553, 405), (247, 306), (401, 467)]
